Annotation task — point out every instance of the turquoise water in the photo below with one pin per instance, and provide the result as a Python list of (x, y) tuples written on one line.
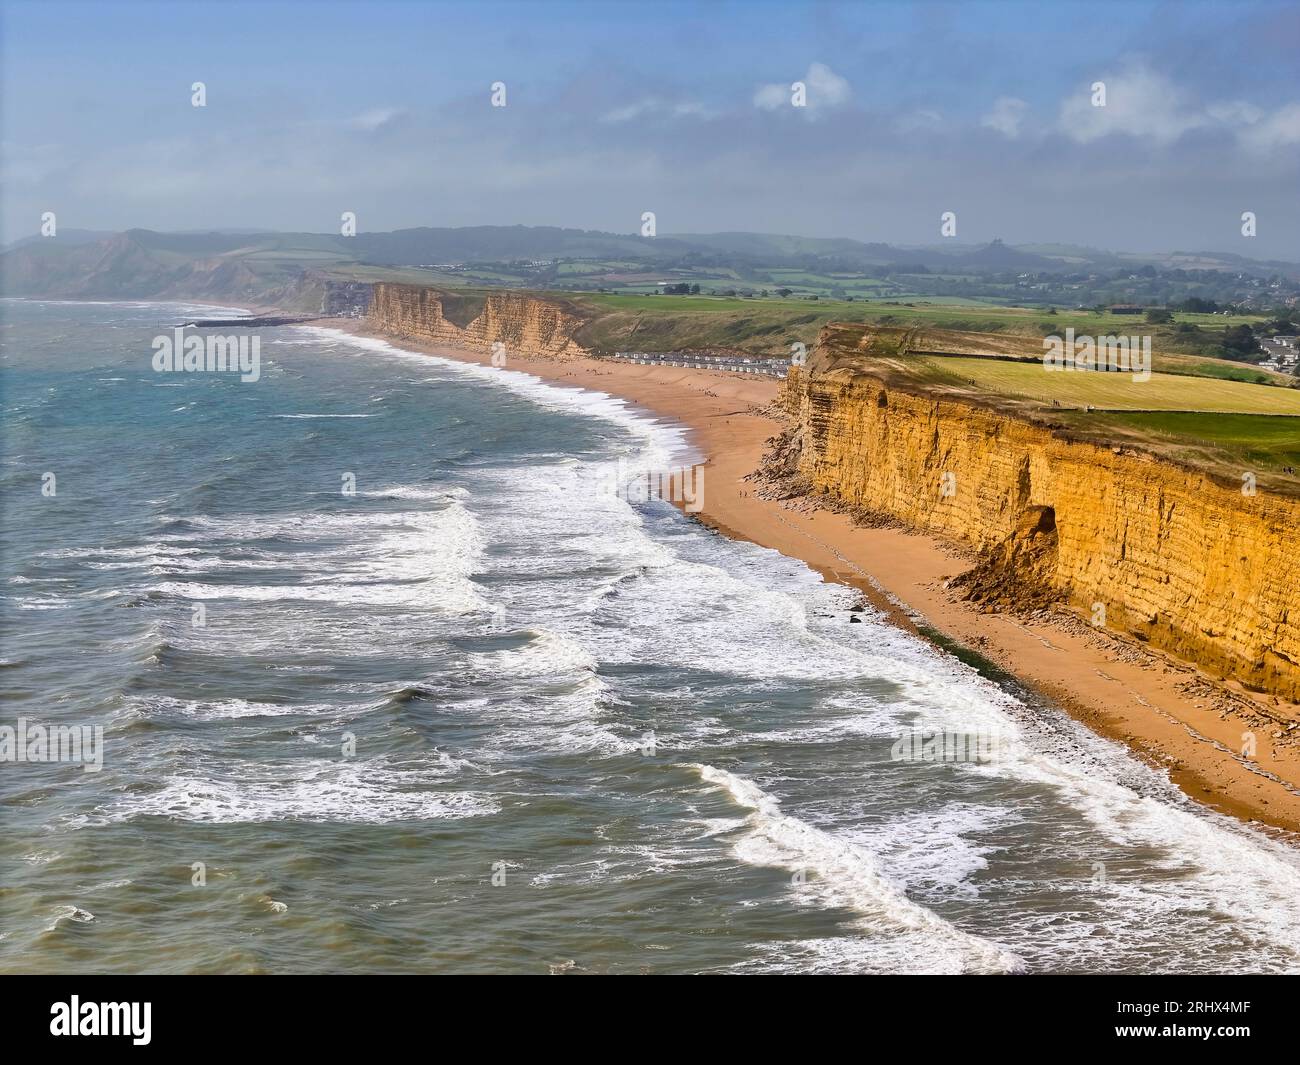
[(489, 714)]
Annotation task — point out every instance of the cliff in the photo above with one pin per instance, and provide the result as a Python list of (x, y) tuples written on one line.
[(528, 325), (1171, 557)]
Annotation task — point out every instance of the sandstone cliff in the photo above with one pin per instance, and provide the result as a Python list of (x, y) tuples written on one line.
[(528, 325), (1171, 557)]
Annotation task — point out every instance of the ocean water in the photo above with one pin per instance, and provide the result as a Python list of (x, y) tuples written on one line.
[(489, 714)]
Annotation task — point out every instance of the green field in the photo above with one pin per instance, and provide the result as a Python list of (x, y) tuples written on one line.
[(1228, 372), (953, 312), (1248, 441), (768, 326), (1113, 391)]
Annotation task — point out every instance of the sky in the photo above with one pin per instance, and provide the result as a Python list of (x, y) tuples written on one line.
[(614, 108)]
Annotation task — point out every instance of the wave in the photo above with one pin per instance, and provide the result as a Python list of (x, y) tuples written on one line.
[(412, 693), (545, 696), (423, 493), (547, 653), (162, 706), (669, 442), (347, 791), (69, 915), (33, 602), (846, 876), (126, 552), (418, 559), (1209, 864)]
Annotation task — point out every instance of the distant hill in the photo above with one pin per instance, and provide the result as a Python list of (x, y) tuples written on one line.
[(65, 237), (141, 264), (258, 266), (416, 247), (999, 256), (773, 248)]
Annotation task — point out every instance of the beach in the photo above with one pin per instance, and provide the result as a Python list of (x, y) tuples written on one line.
[(1167, 712)]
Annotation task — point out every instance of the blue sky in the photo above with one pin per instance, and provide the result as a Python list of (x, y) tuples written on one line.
[(615, 108)]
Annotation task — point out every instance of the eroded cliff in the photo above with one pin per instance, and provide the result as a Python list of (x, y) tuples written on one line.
[(1148, 548), (528, 325)]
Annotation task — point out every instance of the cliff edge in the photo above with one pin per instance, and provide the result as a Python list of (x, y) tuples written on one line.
[(1144, 547), (526, 324)]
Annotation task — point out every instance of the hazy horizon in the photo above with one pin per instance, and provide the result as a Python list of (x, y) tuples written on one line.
[(950, 246), (685, 110)]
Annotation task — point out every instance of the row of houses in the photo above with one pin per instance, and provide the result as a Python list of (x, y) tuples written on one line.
[(698, 360), (1283, 354)]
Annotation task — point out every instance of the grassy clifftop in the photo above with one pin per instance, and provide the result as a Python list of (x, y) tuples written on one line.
[(1238, 433), (770, 326)]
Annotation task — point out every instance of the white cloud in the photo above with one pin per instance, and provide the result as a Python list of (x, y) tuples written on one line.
[(919, 120), (1007, 114), (1142, 103), (772, 97), (376, 118), (825, 89), (1235, 112), (1139, 102), (651, 106), (1280, 128)]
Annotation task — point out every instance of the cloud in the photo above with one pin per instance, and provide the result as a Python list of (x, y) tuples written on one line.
[(1147, 105), (652, 107), (824, 89), (772, 97), (1139, 102), (1007, 114), (870, 166), (1280, 128), (376, 119), (920, 120), (1236, 112)]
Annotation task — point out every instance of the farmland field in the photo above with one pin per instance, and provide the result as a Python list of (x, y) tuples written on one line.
[(953, 312), (1114, 391), (1246, 441)]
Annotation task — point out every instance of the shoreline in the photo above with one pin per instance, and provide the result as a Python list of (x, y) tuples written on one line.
[(1166, 712)]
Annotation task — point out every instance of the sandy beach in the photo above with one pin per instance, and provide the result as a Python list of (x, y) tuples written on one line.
[(1166, 711)]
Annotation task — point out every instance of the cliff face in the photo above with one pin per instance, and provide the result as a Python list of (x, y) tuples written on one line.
[(1175, 559), (527, 325)]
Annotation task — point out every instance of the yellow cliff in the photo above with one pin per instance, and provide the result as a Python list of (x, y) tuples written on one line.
[(1148, 548), (527, 325)]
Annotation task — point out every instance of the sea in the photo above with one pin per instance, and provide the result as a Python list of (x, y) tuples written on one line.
[(391, 672)]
